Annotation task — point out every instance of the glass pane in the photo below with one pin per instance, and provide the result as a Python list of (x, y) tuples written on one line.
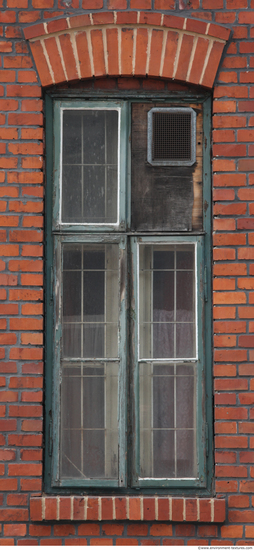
[(163, 399), (167, 420), (167, 326), (72, 122), (164, 451), (156, 420), (90, 166), (89, 425), (72, 194), (186, 453), (90, 300), (185, 400)]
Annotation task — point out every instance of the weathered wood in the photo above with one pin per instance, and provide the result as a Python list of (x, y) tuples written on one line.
[(163, 198)]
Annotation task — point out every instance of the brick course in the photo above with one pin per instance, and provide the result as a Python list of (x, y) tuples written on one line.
[(21, 264)]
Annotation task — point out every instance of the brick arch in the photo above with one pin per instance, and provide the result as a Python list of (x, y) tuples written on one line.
[(127, 44)]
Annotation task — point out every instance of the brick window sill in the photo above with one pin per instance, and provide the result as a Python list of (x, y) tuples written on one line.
[(74, 508)]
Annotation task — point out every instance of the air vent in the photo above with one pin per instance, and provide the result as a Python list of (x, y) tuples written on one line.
[(171, 136)]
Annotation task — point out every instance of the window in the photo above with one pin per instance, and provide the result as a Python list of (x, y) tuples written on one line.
[(128, 322)]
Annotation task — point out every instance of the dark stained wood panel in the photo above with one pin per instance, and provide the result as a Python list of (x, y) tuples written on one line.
[(164, 198)]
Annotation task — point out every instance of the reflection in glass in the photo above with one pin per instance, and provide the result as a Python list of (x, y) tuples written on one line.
[(90, 166)]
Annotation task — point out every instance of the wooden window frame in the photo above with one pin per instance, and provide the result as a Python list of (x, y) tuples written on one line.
[(129, 480)]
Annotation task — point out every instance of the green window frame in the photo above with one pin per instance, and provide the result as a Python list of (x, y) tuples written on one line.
[(61, 235)]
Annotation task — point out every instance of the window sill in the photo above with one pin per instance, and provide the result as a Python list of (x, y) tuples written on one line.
[(74, 508)]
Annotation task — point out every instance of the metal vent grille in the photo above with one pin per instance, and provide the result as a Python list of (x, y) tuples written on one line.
[(171, 136)]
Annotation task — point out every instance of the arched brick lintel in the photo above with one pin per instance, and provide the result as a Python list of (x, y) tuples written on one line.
[(127, 44)]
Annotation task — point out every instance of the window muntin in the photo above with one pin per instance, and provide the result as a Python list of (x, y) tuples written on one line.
[(145, 473)]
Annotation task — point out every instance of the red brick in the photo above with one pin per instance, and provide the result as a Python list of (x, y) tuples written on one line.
[(17, 500), (120, 508), (225, 399), (64, 508), (238, 501), (31, 485), (29, 454), (98, 53), (170, 51), (163, 509), (229, 326), (8, 484), (245, 312), (231, 442), (231, 91), (134, 509), (246, 516), (78, 508), (92, 509), (39, 530), (13, 514), (149, 509), (184, 57), (117, 4), (112, 45), (229, 297), (92, 4), (8, 396), (230, 269), (114, 529), (15, 529), (106, 509), (68, 56), (50, 508), (89, 529), (28, 440), (185, 530), (25, 410), (63, 530), (137, 529), (173, 542), (231, 471), (246, 398), (177, 509), (207, 530), (6, 455), (205, 510), (225, 457), (126, 51)]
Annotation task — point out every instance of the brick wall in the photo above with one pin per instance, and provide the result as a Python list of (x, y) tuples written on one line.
[(21, 277)]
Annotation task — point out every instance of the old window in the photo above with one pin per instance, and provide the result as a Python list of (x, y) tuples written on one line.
[(127, 315)]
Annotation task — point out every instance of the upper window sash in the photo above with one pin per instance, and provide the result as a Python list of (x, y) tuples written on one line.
[(82, 157)]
